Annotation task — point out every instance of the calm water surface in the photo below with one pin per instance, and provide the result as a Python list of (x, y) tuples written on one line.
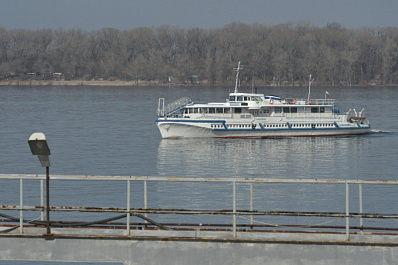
[(112, 131)]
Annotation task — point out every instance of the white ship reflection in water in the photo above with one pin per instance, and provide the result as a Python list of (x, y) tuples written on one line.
[(310, 158), (318, 157)]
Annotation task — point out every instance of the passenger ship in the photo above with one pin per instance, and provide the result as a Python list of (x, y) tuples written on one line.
[(252, 115)]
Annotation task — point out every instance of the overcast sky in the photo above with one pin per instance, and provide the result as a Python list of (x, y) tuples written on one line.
[(128, 14)]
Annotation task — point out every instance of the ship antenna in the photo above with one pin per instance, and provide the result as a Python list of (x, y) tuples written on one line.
[(309, 86), (237, 76)]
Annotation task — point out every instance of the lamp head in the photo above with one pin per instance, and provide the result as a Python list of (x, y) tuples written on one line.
[(38, 146)]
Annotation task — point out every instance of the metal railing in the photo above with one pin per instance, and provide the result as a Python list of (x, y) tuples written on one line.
[(234, 212), (323, 101), (172, 107)]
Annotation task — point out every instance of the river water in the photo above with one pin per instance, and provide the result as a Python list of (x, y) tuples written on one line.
[(112, 131)]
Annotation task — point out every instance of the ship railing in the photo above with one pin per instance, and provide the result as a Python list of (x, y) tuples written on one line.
[(172, 107), (244, 205), (321, 101), (310, 102)]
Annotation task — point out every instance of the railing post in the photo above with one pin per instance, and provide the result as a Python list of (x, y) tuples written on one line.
[(360, 207), (48, 201), (42, 199), (347, 212), (128, 207), (251, 204), (21, 205), (234, 209), (145, 198)]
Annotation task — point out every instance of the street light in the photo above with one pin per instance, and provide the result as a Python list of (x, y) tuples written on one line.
[(39, 147)]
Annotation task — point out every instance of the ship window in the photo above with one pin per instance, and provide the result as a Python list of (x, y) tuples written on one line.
[(227, 110), (238, 110), (239, 98), (293, 110), (314, 110), (195, 110), (286, 110), (204, 110), (321, 109), (212, 110), (245, 99), (219, 110), (231, 98), (277, 110)]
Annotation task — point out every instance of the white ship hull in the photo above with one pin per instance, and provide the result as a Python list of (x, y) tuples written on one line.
[(170, 128), (252, 115)]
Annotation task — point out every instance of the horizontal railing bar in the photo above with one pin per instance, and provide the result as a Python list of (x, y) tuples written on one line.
[(199, 179), (198, 212), (204, 226), (9, 223)]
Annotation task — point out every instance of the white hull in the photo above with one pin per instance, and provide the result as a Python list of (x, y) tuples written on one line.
[(252, 115), (195, 129)]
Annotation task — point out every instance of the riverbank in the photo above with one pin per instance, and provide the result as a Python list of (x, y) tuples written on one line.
[(74, 83), (16, 82)]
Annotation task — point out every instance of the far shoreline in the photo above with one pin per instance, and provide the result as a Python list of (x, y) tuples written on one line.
[(140, 83), (76, 83)]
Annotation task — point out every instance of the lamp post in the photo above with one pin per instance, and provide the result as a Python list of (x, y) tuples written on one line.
[(39, 147)]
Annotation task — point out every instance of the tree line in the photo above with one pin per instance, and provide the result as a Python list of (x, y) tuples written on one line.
[(283, 54)]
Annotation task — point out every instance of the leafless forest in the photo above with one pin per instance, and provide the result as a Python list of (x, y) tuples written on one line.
[(282, 54)]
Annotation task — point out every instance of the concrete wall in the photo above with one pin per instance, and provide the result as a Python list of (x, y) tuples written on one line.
[(192, 251)]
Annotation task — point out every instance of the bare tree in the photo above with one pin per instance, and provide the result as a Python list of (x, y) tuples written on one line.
[(285, 53)]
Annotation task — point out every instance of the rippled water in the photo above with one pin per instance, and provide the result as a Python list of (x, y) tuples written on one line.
[(112, 131)]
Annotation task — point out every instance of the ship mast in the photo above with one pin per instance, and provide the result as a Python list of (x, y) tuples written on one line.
[(237, 77), (309, 86)]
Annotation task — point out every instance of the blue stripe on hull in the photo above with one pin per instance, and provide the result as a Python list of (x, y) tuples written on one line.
[(291, 129), (200, 121)]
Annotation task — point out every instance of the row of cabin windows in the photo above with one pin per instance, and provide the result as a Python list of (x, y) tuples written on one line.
[(244, 98), (294, 110), (273, 125), (244, 126), (211, 110), (313, 125), (239, 110)]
